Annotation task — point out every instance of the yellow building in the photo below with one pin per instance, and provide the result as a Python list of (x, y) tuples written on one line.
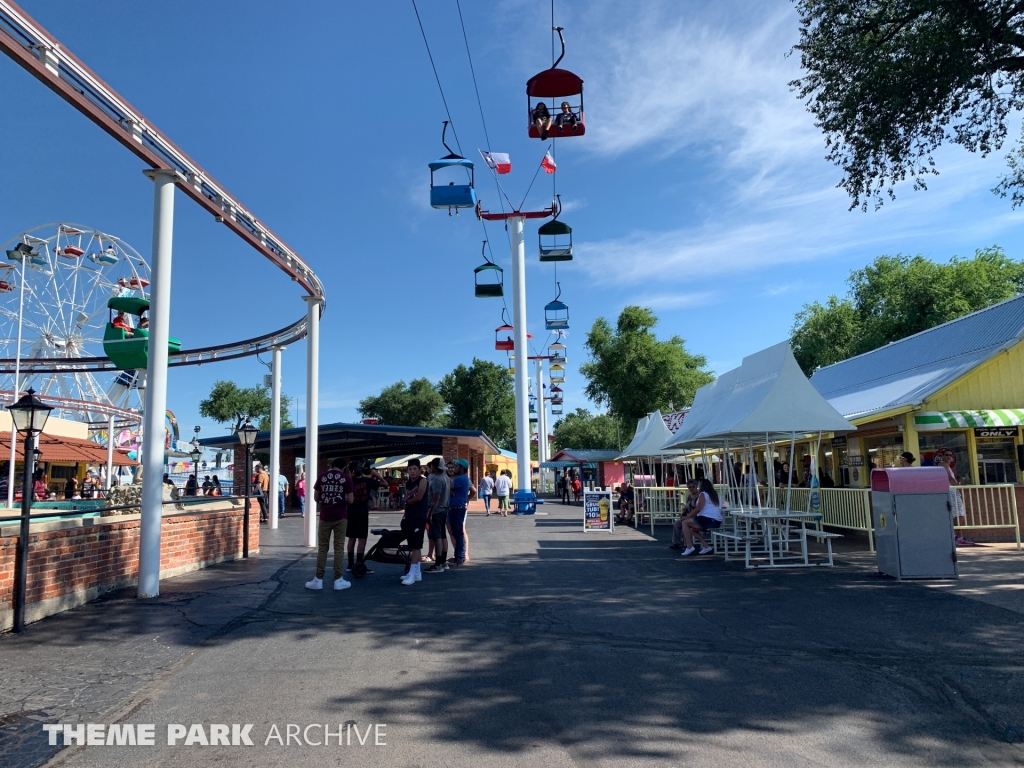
[(959, 385)]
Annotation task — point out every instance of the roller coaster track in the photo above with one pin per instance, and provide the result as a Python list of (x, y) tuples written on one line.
[(39, 52)]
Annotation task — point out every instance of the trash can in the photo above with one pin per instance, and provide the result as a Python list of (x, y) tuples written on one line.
[(913, 523), (524, 503)]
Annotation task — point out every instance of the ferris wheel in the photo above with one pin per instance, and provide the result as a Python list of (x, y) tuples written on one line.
[(54, 290)]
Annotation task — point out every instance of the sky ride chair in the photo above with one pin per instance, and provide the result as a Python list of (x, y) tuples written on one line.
[(503, 341), (556, 313), (451, 196), (556, 84), (556, 353), (556, 373), (488, 279), (555, 238), (130, 352)]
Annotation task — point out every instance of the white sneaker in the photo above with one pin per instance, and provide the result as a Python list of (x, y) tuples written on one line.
[(340, 584), (707, 550), (409, 579), (687, 552), (315, 583)]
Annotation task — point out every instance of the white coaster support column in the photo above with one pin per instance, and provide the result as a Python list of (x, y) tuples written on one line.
[(164, 180), (522, 352), (275, 436), (108, 483), (541, 426), (312, 411)]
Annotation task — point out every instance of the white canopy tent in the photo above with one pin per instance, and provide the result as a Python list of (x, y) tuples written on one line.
[(766, 399), (638, 436)]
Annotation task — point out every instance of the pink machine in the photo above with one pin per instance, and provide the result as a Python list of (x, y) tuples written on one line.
[(913, 521)]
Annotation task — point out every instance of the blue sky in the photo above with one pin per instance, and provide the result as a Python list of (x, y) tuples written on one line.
[(700, 188)]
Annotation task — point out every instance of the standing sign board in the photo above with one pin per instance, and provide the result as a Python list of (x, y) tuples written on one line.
[(597, 510)]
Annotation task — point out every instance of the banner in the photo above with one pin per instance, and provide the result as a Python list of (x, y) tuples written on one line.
[(597, 511)]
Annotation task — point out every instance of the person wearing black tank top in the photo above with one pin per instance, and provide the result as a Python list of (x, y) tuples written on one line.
[(414, 522)]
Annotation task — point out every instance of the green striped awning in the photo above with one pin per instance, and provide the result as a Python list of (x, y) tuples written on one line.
[(568, 465), (1001, 417)]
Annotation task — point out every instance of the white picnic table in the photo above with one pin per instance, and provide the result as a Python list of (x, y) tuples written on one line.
[(769, 534)]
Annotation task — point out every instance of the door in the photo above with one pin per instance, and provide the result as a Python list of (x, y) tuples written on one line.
[(924, 528)]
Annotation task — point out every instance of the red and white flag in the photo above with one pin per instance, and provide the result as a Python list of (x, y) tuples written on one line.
[(499, 162), (548, 163)]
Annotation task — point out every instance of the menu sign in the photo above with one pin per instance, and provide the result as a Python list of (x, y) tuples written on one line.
[(597, 511)]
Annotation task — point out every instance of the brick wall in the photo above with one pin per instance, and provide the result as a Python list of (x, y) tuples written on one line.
[(72, 565), (449, 448)]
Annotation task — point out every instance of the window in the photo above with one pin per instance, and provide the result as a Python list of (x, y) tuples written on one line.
[(930, 442), (997, 460)]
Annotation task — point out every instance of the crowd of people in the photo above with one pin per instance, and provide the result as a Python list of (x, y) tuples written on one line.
[(435, 507)]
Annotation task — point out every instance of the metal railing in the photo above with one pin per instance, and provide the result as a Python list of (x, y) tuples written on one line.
[(988, 507)]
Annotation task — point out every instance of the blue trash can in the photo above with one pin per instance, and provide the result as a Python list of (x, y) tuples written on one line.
[(524, 503)]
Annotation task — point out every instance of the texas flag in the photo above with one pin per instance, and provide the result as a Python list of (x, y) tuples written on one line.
[(498, 162), (548, 163)]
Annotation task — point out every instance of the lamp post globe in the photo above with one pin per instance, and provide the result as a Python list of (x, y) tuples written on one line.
[(29, 415)]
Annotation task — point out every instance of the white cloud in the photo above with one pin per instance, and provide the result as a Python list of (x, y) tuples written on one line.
[(680, 300), (568, 206)]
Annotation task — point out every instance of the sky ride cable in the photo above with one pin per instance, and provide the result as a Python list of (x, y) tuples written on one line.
[(437, 77)]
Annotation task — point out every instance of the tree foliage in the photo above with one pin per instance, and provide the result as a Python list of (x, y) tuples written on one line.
[(888, 81), (230, 404), (481, 397), (633, 372), (417, 405), (898, 296), (583, 430)]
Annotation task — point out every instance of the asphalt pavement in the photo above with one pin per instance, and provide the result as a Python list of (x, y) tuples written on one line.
[(553, 647)]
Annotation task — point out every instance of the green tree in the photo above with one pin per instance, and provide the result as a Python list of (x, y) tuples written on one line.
[(888, 81), (825, 334), (633, 372), (417, 405), (583, 430), (230, 404), (898, 296), (481, 397)]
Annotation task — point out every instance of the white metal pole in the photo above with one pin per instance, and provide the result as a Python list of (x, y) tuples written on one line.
[(312, 408), (539, 373), (156, 380), (522, 388), (17, 385), (110, 453), (275, 435)]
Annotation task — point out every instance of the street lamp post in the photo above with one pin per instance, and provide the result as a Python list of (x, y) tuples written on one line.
[(29, 415), (247, 437), (196, 454)]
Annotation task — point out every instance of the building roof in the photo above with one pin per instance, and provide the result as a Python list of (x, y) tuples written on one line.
[(582, 456), (906, 372), (348, 440), (67, 449)]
